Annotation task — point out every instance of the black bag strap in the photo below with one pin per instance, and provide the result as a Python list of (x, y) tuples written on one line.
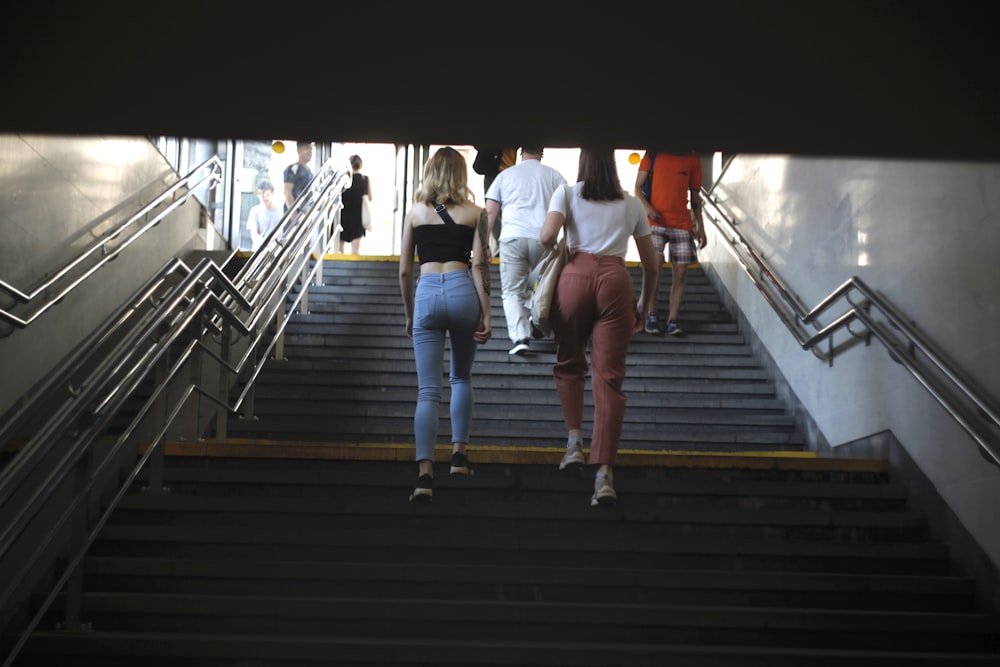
[(443, 212)]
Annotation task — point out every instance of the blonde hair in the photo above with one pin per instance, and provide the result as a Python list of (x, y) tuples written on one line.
[(445, 180)]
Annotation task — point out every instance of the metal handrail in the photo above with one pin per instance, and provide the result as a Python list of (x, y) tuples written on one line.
[(971, 407), (197, 307), (151, 214)]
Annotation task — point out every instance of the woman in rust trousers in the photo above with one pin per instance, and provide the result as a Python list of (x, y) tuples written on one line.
[(595, 302)]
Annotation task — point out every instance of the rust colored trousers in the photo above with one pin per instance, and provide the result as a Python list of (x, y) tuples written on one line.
[(594, 302)]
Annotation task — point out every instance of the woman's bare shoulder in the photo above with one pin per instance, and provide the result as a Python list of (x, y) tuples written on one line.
[(468, 213)]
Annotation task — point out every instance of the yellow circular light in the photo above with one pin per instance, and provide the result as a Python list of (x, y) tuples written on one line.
[(278, 147), (634, 158)]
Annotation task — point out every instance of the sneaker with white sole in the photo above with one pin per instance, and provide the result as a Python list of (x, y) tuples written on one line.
[(573, 457), (672, 329), (653, 324), (604, 490), (460, 464), (424, 491), (520, 347)]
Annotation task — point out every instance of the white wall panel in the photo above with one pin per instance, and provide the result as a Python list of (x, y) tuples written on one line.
[(926, 235), (58, 196)]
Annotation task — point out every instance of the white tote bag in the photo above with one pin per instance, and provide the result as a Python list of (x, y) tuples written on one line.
[(545, 276), (366, 214)]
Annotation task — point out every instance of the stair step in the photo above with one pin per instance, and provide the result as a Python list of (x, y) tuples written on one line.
[(533, 583), (537, 621), (163, 649)]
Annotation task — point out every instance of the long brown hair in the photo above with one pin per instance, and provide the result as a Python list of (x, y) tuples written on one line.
[(599, 175)]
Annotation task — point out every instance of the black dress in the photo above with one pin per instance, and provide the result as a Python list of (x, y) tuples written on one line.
[(351, 226)]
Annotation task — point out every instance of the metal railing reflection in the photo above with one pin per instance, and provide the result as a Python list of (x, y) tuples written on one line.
[(965, 402), (68, 277)]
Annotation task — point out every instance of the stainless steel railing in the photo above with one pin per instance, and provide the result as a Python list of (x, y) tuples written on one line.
[(68, 277), (71, 469), (971, 407)]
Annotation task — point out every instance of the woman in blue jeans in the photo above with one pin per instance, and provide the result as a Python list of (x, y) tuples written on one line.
[(444, 229)]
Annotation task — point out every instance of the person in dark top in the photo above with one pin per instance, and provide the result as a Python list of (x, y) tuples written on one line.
[(447, 230), (298, 175), (352, 227)]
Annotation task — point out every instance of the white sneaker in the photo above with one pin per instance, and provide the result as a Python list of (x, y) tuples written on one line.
[(520, 347), (573, 457), (604, 490)]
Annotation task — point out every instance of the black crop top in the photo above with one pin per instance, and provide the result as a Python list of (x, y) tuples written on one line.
[(444, 243)]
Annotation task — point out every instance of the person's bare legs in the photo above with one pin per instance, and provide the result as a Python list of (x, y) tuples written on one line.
[(679, 282)]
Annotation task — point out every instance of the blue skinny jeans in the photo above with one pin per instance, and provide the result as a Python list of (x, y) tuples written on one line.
[(444, 303)]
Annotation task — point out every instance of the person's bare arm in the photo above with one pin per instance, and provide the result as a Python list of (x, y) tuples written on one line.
[(698, 219), (480, 265), (554, 221), (492, 212), (640, 180), (406, 253)]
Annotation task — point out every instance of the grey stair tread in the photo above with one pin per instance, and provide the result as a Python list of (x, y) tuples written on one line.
[(441, 539), (524, 396), (562, 576), (527, 509), (750, 492), (506, 653), (544, 617)]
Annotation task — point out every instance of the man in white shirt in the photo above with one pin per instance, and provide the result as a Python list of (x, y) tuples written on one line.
[(522, 193), (265, 216)]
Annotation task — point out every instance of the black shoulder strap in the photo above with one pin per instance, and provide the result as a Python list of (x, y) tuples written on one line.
[(443, 212)]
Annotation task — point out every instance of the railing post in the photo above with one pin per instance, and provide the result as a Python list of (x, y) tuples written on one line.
[(247, 414), (304, 279), (320, 253), (193, 412), (279, 345), (222, 414), (158, 415), (78, 535)]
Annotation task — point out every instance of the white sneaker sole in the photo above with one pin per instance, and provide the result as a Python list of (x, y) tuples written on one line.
[(605, 500), (422, 495), (572, 460)]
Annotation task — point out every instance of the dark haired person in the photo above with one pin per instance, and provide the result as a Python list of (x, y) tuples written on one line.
[(298, 175), (352, 228), (675, 180), (265, 216), (522, 194), (595, 303)]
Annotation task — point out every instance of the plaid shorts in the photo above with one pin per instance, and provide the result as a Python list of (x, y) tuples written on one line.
[(682, 246)]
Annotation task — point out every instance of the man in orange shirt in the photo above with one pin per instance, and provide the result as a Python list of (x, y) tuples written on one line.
[(674, 177)]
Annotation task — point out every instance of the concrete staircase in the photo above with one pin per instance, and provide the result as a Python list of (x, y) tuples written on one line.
[(292, 542), (348, 376)]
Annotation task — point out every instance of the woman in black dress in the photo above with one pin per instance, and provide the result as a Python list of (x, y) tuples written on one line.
[(352, 228)]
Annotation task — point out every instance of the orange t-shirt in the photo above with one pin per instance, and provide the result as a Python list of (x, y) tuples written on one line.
[(674, 176)]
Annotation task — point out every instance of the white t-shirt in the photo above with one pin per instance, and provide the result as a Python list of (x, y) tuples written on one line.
[(265, 218), (600, 227), (523, 192)]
